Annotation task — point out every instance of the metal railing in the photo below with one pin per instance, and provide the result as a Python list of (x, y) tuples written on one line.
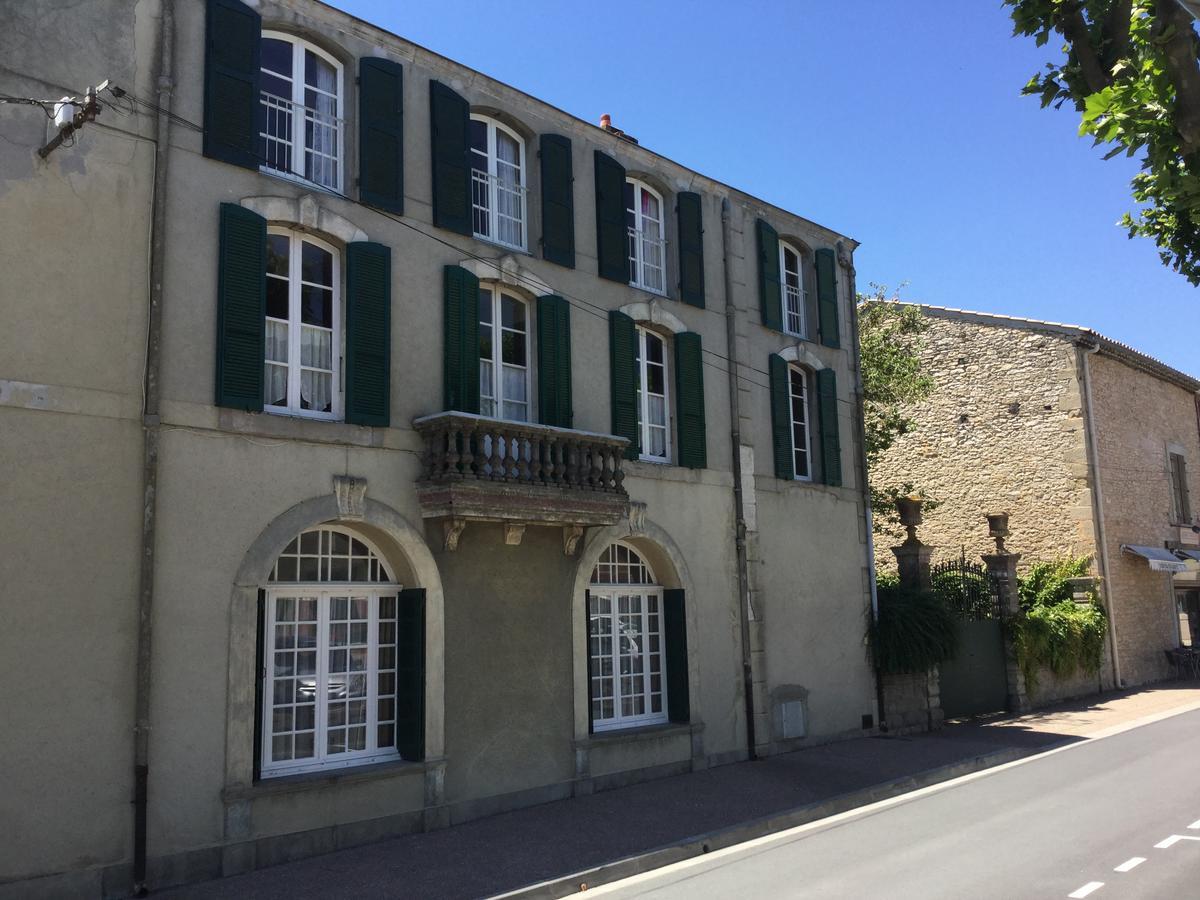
[(499, 208), (465, 447), (648, 254), (320, 159), (793, 308)]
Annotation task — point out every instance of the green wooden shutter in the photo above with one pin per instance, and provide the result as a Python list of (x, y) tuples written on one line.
[(381, 133), (410, 674), (449, 117), (769, 287), (831, 444), (554, 361), (689, 401), (676, 650), (612, 238), (558, 200), (587, 617), (691, 249), (622, 360), (260, 673), (827, 303), (241, 308), (781, 418), (232, 77), (368, 333), (461, 340)]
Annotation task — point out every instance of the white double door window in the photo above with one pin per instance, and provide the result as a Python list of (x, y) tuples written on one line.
[(504, 378), (647, 244), (801, 423), (302, 121), (303, 327), (790, 263), (653, 397), (497, 183)]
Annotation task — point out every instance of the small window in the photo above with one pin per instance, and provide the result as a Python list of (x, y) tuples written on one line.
[(653, 397), (791, 272), (304, 340), (329, 654), (497, 183), (801, 423), (504, 387), (1180, 505), (302, 111), (625, 642), (647, 244)]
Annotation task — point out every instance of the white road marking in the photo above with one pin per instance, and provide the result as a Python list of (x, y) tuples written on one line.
[(1173, 840), (1131, 863), (1195, 824), (1086, 889)]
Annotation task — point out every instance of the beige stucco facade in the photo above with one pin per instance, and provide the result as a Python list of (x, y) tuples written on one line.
[(1070, 433), (506, 696)]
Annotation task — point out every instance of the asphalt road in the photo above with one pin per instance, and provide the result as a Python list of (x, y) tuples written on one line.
[(1071, 823)]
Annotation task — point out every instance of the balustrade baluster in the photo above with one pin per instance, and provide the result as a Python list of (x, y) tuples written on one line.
[(496, 461), (452, 454), (468, 454)]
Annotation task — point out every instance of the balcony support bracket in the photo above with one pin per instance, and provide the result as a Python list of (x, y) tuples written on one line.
[(453, 529)]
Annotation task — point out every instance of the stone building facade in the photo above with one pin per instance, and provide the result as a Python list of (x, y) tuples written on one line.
[(348, 385), (1076, 436)]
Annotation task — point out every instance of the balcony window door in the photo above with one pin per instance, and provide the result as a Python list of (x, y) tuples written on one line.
[(647, 243), (302, 106), (653, 398), (504, 371), (497, 183), (792, 274)]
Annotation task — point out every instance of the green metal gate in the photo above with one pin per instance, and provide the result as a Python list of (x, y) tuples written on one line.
[(975, 680)]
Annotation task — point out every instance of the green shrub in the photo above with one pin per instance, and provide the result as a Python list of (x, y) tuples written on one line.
[(914, 632), (1053, 631)]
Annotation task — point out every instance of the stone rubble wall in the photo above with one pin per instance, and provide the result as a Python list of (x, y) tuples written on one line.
[(912, 703)]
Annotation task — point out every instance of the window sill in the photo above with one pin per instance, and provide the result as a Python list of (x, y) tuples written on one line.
[(308, 781), (649, 290), (639, 734), (507, 248), (301, 181), (277, 425)]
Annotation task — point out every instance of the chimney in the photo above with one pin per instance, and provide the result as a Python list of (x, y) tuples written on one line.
[(607, 125), (606, 122)]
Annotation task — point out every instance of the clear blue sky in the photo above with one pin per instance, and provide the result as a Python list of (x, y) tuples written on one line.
[(900, 124)]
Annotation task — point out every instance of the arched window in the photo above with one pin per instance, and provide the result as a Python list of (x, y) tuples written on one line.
[(626, 663), (791, 273), (497, 182), (504, 325), (653, 396), (798, 392), (329, 643), (647, 241), (302, 110), (303, 328)]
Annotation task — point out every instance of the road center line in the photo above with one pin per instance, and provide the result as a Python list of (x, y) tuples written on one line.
[(1173, 840), (1086, 889), (1131, 863), (1195, 824)]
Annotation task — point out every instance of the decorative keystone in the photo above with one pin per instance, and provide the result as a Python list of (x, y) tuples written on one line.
[(351, 493)]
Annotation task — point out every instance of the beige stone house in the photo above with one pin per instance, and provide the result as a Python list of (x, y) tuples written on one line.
[(385, 447), (1091, 446)]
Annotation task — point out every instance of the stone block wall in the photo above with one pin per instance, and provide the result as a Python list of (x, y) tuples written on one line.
[(1002, 431), (912, 703)]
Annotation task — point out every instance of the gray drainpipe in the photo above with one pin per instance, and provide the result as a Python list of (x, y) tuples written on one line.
[(1098, 503), (150, 446), (739, 509), (845, 258)]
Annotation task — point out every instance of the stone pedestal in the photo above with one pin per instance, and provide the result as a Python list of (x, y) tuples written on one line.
[(912, 561), (1002, 569)]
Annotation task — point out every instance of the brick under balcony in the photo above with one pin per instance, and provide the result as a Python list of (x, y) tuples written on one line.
[(478, 469)]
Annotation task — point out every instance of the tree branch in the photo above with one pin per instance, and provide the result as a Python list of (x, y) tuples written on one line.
[(1179, 54), (1116, 32), (1070, 22)]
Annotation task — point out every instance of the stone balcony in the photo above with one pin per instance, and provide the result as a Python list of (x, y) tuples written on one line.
[(477, 469)]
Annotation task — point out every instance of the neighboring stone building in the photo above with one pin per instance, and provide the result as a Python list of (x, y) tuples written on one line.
[(1090, 445), (374, 459)]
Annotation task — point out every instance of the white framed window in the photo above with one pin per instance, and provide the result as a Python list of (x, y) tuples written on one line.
[(647, 237), (801, 423), (497, 183), (653, 396), (625, 642), (304, 329), (791, 273), (504, 370), (302, 111), (329, 656)]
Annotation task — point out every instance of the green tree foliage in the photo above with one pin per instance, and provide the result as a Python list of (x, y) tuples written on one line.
[(914, 632), (1131, 70), (891, 338)]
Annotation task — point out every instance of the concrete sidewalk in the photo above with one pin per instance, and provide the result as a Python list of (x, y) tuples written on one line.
[(551, 849)]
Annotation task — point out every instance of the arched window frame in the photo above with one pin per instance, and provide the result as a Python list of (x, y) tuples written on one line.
[(279, 118), (497, 291), (295, 327), (645, 337), (647, 238), (793, 294), (500, 211), (802, 453), (640, 605), (303, 632)]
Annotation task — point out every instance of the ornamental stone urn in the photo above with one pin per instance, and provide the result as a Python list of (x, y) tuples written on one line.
[(998, 529)]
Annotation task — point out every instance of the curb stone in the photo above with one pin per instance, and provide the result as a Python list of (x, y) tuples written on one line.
[(697, 845)]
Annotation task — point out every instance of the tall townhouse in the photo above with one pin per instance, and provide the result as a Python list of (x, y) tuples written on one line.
[(385, 447)]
